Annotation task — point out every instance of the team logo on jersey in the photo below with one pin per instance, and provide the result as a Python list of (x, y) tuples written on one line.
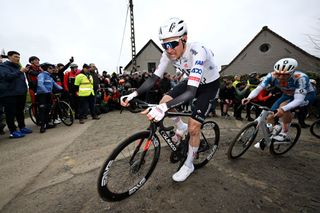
[(193, 52), (193, 78), (199, 63), (196, 71)]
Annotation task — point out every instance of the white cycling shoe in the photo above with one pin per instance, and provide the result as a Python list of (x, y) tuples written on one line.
[(183, 173), (257, 145), (282, 137)]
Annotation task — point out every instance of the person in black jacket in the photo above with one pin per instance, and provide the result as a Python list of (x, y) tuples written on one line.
[(13, 92), (165, 84)]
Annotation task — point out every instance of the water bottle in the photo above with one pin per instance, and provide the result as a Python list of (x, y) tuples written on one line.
[(269, 127)]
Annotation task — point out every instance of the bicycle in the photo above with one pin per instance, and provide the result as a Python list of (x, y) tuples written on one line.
[(248, 133), (59, 109), (315, 128), (132, 162)]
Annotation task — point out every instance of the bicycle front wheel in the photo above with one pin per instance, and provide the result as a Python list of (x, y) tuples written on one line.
[(34, 114), (242, 141), (129, 166), (209, 141), (279, 148), (315, 128), (65, 113)]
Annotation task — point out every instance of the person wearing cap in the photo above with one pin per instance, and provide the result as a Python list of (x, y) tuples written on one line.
[(13, 93), (84, 81), (33, 70), (44, 90), (69, 87)]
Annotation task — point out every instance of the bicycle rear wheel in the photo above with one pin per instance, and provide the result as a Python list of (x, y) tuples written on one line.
[(65, 113), (209, 141), (128, 167), (315, 128), (279, 148), (242, 141), (34, 113)]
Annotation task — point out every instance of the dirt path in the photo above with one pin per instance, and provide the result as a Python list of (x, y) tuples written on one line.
[(66, 181)]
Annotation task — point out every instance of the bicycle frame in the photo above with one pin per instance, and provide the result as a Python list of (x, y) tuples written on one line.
[(262, 125), (162, 130)]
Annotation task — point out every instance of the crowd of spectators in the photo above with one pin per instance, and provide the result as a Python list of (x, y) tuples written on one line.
[(89, 92)]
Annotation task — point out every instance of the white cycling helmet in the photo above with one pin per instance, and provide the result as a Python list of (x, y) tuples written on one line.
[(312, 81), (172, 28), (286, 65)]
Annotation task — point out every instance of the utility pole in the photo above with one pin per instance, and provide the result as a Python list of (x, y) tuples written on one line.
[(133, 42)]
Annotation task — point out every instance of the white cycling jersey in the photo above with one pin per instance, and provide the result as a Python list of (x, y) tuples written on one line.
[(197, 62)]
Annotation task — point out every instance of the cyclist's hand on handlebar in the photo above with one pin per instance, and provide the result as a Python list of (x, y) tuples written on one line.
[(245, 101), (156, 113), (124, 100)]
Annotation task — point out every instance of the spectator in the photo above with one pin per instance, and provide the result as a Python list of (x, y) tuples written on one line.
[(13, 92), (32, 74), (68, 85), (236, 80), (84, 81), (2, 124), (44, 91), (165, 84), (241, 91), (226, 95), (252, 82)]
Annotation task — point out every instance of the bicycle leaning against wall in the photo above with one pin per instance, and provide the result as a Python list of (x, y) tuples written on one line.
[(132, 162)]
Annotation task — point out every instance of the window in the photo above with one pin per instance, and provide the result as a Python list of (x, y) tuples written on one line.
[(151, 67), (264, 47)]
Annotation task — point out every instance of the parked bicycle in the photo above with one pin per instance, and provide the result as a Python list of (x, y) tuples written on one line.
[(315, 128), (59, 109), (248, 133), (132, 162)]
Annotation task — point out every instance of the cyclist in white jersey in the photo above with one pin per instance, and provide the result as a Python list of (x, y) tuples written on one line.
[(196, 61), (296, 88)]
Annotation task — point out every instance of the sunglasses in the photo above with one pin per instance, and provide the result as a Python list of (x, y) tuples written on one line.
[(170, 44), (282, 74)]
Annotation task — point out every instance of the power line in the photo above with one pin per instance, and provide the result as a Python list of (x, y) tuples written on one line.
[(124, 31)]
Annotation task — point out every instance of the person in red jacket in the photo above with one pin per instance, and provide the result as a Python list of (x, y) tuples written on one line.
[(32, 76), (68, 85)]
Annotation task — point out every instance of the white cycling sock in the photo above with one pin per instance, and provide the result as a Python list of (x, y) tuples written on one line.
[(178, 122), (191, 154)]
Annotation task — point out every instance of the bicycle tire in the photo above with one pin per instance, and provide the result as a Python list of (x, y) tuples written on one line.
[(315, 128), (244, 144), (65, 113), (32, 110), (274, 148), (209, 143), (108, 181)]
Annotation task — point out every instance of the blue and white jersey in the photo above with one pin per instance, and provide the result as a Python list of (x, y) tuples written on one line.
[(197, 62), (297, 83), (298, 86)]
